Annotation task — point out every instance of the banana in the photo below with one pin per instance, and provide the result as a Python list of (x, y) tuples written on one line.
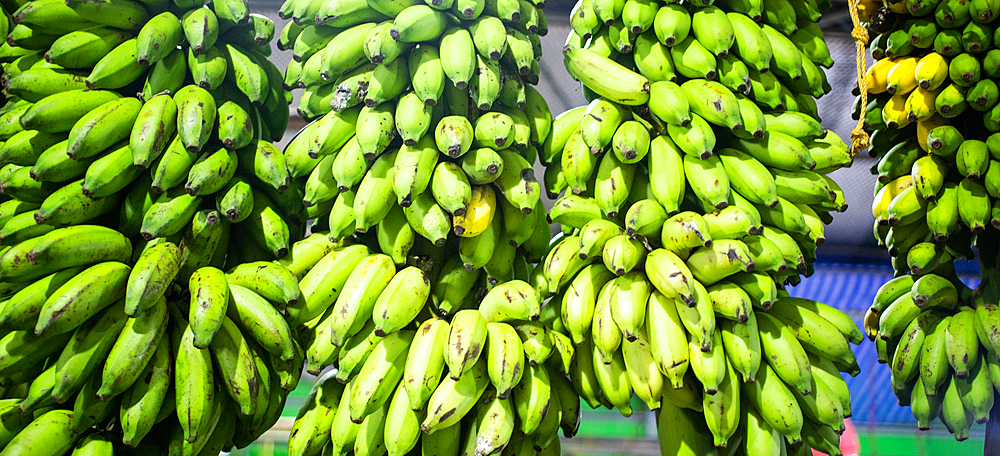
[(517, 182), (37, 83), (380, 373), (34, 438), (375, 195), (620, 85), (514, 300), (972, 204), (239, 374), (58, 113), (157, 38), (395, 235), (413, 169), (84, 48), (505, 358), (323, 284), (751, 43), (953, 412), (708, 366), (643, 370), (425, 362), (167, 75), (153, 129), (962, 343), (271, 281), (196, 112), (459, 63), (975, 392), (925, 407), (685, 433), (201, 29), (117, 68), (695, 139), (82, 297), (343, 431), (452, 400), (209, 301), (628, 296), (90, 343), (156, 268), (194, 383), (361, 291), (402, 425), (259, 319), (418, 23), (169, 214), (465, 343), (934, 367), (645, 220), (401, 300), (708, 179), (312, 426), (765, 393), (353, 353)]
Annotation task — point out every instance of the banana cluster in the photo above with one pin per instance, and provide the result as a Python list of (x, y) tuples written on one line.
[(934, 120), (136, 143), (733, 140), (427, 124), (79, 145), (941, 352), (753, 366), (428, 354), (96, 352), (691, 189), (466, 54)]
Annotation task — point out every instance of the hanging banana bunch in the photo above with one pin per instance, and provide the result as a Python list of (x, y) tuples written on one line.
[(137, 140), (425, 135), (933, 117), (691, 190)]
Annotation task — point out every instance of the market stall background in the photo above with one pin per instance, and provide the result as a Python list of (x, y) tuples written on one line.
[(849, 271)]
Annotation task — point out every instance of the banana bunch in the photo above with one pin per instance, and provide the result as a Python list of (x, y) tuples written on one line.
[(937, 338), (80, 146), (96, 350), (136, 142), (467, 55), (426, 125), (691, 189), (459, 364), (688, 120), (935, 125), (647, 323)]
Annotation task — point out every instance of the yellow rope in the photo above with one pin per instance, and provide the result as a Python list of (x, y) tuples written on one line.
[(859, 137)]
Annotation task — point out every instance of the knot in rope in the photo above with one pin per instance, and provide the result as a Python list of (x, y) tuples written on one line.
[(859, 137)]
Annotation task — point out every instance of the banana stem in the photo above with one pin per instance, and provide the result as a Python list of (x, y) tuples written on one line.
[(989, 259)]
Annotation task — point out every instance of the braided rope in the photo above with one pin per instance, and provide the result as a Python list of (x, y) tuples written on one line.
[(859, 137)]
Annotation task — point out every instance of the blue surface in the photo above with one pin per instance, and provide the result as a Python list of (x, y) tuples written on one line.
[(851, 288)]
